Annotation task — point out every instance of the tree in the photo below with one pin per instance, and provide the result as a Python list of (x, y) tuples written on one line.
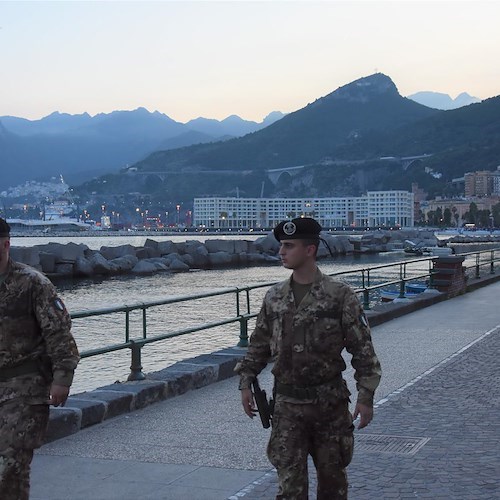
[(447, 217), (483, 218), (455, 215), (430, 217), (471, 215), (495, 211)]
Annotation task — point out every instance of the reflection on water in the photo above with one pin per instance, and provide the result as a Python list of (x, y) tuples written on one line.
[(100, 331)]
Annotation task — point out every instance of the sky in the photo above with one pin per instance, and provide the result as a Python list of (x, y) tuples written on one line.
[(218, 58)]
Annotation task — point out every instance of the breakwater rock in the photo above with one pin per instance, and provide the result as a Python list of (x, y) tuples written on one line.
[(58, 260), (78, 260), (388, 241)]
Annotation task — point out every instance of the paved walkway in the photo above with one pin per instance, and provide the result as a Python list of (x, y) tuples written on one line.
[(435, 432)]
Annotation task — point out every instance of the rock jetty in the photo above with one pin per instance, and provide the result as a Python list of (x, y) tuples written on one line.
[(77, 260)]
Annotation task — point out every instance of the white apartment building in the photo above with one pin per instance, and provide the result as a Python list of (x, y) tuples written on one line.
[(376, 208)]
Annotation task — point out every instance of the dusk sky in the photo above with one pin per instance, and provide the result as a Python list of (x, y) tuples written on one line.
[(213, 59)]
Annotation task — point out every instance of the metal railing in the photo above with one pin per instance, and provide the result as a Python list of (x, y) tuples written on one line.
[(365, 281)]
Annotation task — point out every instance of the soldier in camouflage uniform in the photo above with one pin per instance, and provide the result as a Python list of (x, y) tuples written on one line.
[(38, 356), (303, 326)]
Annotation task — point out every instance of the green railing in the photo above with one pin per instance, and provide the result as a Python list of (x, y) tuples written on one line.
[(365, 281)]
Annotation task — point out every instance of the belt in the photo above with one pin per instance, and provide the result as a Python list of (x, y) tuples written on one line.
[(30, 366), (293, 391)]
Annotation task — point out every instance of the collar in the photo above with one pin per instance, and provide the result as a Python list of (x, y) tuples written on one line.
[(317, 291)]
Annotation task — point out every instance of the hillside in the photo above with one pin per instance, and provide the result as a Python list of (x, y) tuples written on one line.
[(81, 146), (340, 139), (306, 136)]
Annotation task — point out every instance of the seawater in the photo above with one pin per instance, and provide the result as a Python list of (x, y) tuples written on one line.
[(107, 330)]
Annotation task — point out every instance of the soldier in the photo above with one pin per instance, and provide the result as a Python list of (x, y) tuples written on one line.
[(303, 326), (38, 356)]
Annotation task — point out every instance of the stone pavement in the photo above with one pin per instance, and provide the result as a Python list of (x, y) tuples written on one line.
[(437, 438), (435, 432)]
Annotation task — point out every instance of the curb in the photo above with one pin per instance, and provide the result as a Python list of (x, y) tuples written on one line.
[(94, 407)]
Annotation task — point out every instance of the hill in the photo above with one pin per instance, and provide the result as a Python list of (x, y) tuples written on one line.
[(305, 136), (348, 141), (81, 147)]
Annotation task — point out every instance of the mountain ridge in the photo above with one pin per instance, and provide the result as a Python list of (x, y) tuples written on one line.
[(438, 100), (72, 144)]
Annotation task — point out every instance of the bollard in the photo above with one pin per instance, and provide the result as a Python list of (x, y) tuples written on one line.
[(136, 365)]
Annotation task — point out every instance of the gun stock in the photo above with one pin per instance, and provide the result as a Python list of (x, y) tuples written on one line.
[(262, 404)]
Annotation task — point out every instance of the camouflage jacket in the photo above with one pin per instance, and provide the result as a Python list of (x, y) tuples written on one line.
[(306, 342), (34, 325)]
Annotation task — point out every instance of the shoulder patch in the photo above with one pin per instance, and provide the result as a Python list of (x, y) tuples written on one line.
[(58, 304)]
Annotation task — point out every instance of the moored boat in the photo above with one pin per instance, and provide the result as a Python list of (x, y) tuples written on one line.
[(412, 290)]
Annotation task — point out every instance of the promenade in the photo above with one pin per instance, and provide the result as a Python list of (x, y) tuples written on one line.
[(435, 433)]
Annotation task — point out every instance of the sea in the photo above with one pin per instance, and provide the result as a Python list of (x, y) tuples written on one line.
[(108, 330)]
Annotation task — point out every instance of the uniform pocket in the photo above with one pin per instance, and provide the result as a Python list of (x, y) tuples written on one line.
[(346, 445), (23, 425)]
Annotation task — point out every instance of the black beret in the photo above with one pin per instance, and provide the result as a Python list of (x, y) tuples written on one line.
[(4, 228), (301, 228)]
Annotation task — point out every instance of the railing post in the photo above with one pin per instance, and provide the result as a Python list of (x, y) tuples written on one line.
[(492, 265), (402, 275), (431, 277), (243, 332), (366, 299), (136, 364), (366, 293)]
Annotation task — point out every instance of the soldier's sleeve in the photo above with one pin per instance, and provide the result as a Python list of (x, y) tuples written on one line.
[(359, 344), (55, 327), (258, 353)]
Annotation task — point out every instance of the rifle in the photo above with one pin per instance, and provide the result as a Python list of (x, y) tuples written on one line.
[(264, 407)]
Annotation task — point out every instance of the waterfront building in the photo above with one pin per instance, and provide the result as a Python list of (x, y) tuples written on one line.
[(375, 209), (479, 183), (459, 207)]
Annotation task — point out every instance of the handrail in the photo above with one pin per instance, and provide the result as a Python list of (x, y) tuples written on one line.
[(365, 277)]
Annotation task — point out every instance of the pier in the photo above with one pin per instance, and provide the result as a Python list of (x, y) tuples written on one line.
[(434, 435)]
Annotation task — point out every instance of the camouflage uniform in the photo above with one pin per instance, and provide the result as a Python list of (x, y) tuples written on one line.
[(36, 349), (311, 414)]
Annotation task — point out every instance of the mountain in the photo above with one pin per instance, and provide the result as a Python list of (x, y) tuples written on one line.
[(232, 125), (370, 104), (80, 145), (438, 100), (347, 142), (55, 123)]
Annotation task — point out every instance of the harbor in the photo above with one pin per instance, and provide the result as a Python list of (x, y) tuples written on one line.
[(111, 335)]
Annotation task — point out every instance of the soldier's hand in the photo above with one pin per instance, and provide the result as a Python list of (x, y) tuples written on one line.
[(248, 402), (58, 395), (365, 413)]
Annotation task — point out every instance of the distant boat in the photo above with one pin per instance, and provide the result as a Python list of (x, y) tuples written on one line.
[(46, 226), (418, 250), (412, 290)]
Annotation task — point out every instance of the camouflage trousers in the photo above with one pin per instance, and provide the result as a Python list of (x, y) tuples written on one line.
[(322, 430), (22, 429)]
